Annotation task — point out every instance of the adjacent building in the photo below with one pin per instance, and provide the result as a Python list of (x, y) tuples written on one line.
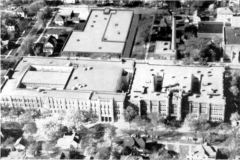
[(63, 84), (179, 90), (210, 29), (231, 43), (224, 14), (105, 33)]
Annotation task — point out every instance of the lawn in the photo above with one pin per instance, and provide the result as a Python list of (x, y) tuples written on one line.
[(144, 27)]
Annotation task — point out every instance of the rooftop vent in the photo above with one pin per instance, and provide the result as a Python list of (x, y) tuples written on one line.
[(74, 88), (118, 32), (69, 64), (151, 69), (99, 47), (105, 18), (116, 24), (24, 60), (94, 21), (78, 40), (75, 77), (165, 43), (92, 25), (96, 15), (89, 68), (84, 68), (173, 76)]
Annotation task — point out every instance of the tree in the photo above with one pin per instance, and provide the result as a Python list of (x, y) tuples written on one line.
[(16, 111), (200, 125), (4, 33), (25, 118), (156, 119), (8, 141), (110, 133), (5, 110), (234, 117), (49, 129), (7, 63), (126, 150), (30, 128), (45, 14), (130, 113), (142, 123), (33, 8), (77, 117), (97, 131), (91, 149), (28, 46), (190, 31), (22, 25), (115, 154), (33, 149), (49, 146), (104, 153)]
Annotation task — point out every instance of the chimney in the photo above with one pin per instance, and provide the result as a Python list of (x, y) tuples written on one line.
[(173, 45)]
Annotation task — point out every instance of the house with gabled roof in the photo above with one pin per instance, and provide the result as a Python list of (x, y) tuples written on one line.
[(20, 11), (49, 45), (20, 144), (11, 24), (68, 142), (59, 20)]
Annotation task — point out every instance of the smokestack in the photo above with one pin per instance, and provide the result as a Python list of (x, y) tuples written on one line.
[(173, 45)]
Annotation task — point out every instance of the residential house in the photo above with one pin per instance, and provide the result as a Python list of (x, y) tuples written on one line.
[(20, 11), (59, 20), (50, 45), (20, 144), (224, 14), (68, 142), (204, 151), (4, 44), (53, 32), (11, 25)]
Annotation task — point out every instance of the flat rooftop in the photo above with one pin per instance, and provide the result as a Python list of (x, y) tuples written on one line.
[(103, 33), (75, 77), (178, 77)]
